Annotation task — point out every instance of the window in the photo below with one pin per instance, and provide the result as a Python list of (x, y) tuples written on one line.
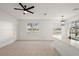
[(32, 27)]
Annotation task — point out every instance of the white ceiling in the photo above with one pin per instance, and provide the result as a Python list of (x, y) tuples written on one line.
[(53, 10)]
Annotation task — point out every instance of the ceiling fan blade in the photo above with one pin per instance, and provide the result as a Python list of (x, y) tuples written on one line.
[(21, 5), (30, 8), (18, 9), (30, 11)]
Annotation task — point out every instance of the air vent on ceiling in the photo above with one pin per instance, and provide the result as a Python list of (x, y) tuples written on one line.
[(75, 9)]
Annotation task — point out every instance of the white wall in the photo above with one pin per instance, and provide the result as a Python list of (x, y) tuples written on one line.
[(45, 30), (7, 29)]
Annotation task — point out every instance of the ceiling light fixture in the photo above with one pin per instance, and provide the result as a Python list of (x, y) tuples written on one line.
[(62, 21), (25, 9), (25, 12)]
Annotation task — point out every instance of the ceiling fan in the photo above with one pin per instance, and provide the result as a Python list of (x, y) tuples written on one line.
[(25, 9)]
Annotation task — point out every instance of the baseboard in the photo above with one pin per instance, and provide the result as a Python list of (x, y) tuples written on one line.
[(34, 40)]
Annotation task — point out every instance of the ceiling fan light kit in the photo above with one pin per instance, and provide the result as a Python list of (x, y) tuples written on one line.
[(25, 12)]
